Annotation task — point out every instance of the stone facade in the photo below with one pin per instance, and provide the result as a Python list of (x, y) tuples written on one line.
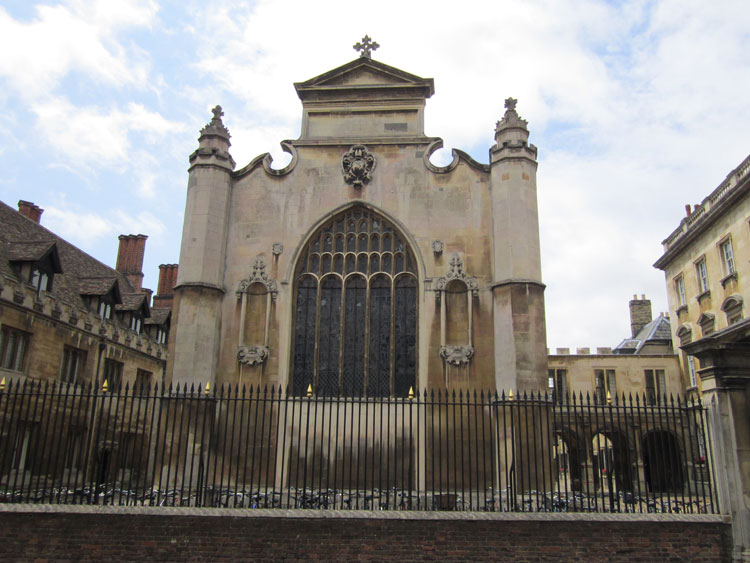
[(66, 317), (466, 234), (706, 263)]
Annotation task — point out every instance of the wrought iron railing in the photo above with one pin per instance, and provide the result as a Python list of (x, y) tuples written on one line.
[(434, 450)]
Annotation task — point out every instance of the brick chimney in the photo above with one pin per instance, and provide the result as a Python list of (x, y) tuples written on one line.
[(130, 258), (29, 210), (165, 290), (640, 313)]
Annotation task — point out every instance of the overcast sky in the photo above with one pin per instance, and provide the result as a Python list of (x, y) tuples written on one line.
[(637, 108)]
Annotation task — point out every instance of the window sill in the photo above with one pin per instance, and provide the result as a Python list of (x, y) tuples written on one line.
[(727, 279), (703, 296)]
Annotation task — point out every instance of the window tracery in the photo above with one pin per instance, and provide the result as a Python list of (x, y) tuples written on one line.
[(355, 318)]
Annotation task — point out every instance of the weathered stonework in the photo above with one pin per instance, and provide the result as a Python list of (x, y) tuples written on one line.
[(362, 128)]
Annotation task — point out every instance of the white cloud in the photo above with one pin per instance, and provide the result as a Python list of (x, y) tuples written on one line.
[(91, 136), (88, 230), (637, 108), (76, 36)]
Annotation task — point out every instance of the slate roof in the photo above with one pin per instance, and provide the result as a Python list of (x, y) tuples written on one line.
[(133, 302), (22, 239), (159, 316), (658, 331)]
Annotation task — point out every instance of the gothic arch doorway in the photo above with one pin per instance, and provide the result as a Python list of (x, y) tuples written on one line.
[(355, 309)]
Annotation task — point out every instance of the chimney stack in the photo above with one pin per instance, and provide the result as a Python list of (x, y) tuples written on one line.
[(640, 314), (30, 211), (130, 258), (167, 281)]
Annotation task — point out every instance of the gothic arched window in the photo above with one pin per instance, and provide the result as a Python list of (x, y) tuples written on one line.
[(355, 318)]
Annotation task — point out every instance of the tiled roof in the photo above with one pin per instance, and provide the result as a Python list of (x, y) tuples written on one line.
[(159, 315), (100, 285), (81, 273), (132, 302), (29, 251)]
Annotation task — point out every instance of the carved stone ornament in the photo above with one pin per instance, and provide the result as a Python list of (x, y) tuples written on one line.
[(437, 247), (252, 355), (456, 272), (357, 166), (277, 248), (457, 355), (259, 275)]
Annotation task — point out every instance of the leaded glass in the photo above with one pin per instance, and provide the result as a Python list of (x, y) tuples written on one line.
[(354, 336), (378, 383), (348, 309), (304, 334), (329, 336), (405, 335)]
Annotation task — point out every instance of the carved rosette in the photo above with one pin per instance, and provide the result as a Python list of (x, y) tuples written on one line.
[(259, 275), (252, 355), (456, 272), (357, 166), (457, 355), (437, 247)]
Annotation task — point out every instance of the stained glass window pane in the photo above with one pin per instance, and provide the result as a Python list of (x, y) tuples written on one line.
[(354, 337), (374, 263), (362, 263), (304, 334), (329, 337), (399, 263), (328, 244), (379, 377), (386, 242), (405, 336), (350, 243), (375, 243), (340, 243), (326, 267), (385, 261), (338, 263), (350, 263), (314, 263), (362, 243)]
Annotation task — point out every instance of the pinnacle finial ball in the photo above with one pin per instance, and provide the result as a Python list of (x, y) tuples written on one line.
[(510, 104)]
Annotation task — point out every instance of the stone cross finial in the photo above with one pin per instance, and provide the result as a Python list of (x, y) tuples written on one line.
[(218, 113), (367, 45), (510, 104)]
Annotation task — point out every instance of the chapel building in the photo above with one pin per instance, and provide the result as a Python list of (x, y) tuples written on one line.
[(361, 268)]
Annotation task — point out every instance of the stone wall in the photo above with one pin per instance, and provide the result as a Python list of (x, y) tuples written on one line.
[(148, 534)]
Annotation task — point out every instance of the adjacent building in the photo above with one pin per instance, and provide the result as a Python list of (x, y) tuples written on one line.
[(65, 317), (706, 263), (643, 365)]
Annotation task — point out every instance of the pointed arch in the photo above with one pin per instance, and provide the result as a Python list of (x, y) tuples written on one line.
[(357, 305)]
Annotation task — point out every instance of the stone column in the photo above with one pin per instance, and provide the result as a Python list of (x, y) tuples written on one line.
[(517, 289), (725, 375), (194, 338)]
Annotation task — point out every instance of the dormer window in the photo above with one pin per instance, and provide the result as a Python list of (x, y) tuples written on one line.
[(35, 263), (42, 281), (161, 336), (104, 310), (135, 323)]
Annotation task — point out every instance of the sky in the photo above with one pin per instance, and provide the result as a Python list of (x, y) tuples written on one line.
[(637, 109)]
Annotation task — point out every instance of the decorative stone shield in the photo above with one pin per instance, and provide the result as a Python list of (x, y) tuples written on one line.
[(357, 166), (252, 355)]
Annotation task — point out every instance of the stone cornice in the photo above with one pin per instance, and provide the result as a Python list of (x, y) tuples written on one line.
[(200, 285), (518, 281)]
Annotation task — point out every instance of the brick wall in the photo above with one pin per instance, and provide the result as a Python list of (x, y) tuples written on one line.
[(117, 533)]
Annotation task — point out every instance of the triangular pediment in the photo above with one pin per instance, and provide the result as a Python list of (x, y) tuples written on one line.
[(366, 73)]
